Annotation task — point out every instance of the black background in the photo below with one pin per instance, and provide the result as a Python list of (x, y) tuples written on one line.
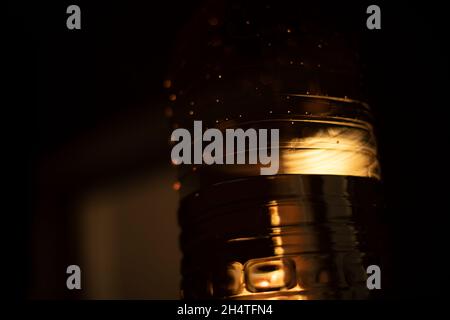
[(64, 83)]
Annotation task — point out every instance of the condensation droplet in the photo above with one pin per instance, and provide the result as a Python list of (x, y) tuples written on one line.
[(191, 112), (167, 84), (220, 76), (247, 22), (191, 103), (176, 185), (213, 21), (168, 112), (172, 97)]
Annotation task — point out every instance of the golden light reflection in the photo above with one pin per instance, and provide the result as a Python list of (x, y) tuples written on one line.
[(275, 221), (274, 215), (319, 145), (269, 275), (334, 150)]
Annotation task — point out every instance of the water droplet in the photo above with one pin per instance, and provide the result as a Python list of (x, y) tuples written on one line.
[(220, 76), (318, 66), (337, 141), (191, 103), (176, 185), (319, 45), (292, 122), (191, 112), (288, 30), (240, 116), (301, 63), (269, 44), (196, 194), (217, 100), (213, 21), (168, 112), (172, 97), (217, 121), (167, 84), (247, 22), (307, 92), (194, 168), (291, 62), (270, 111), (289, 111), (288, 97), (226, 119)]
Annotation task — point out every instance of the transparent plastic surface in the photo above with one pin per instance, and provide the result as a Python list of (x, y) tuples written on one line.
[(294, 235)]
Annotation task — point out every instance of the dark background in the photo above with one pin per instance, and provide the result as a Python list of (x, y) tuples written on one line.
[(86, 111)]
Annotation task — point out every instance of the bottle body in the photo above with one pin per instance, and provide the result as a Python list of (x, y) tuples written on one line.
[(293, 67), (293, 235)]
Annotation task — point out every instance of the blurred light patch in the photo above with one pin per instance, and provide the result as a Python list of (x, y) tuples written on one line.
[(128, 234)]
